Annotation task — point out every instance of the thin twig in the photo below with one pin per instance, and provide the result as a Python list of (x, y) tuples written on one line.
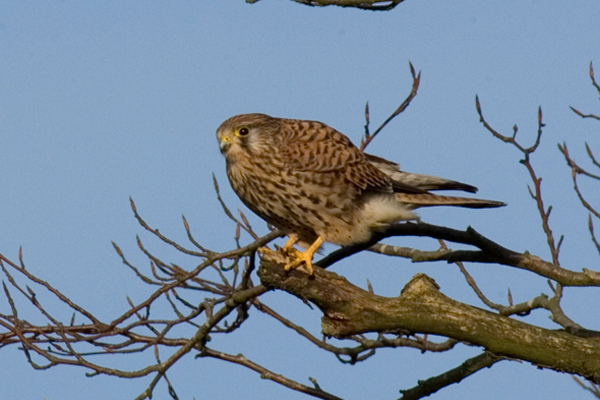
[(267, 374), (368, 138), (536, 194), (372, 5), (455, 375)]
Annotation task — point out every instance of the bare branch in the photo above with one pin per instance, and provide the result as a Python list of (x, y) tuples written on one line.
[(593, 388), (247, 227), (593, 79), (455, 375), (595, 84), (591, 229), (350, 310), (368, 346), (21, 269), (537, 182), (368, 138), (159, 235), (266, 374), (577, 170), (491, 252), (373, 5), (582, 115)]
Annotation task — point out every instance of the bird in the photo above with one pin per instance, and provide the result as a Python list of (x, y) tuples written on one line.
[(309, 180)]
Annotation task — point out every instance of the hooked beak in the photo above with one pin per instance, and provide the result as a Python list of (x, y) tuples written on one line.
[(224, 143)]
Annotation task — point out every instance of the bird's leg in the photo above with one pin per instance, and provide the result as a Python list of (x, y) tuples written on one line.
[(291, 242), (305, 257), (288, 249)]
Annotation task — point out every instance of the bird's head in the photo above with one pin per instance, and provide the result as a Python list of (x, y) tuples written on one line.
[(247, 135)]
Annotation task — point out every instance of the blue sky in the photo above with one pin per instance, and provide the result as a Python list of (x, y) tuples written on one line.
[(100, 101)]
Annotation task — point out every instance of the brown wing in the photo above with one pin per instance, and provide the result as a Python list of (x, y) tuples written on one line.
[(316, 147), (417, 182)]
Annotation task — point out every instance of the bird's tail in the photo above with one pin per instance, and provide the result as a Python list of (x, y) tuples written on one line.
[(416, 200)]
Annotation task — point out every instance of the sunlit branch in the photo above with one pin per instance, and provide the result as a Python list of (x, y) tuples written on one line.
[(490, 252)]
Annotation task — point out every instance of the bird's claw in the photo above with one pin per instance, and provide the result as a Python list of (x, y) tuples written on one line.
[(299, 258), (282, 255)]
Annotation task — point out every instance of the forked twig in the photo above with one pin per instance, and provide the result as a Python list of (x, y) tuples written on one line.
[(369, 137), (595, 84), (536, 193)]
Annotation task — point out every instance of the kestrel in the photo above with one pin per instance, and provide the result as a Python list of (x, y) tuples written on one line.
[(309, 180)]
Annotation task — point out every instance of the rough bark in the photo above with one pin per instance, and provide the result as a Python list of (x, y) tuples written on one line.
[(422, 308)]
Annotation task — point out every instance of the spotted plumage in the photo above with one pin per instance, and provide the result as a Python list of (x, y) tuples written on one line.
[(311, 181)]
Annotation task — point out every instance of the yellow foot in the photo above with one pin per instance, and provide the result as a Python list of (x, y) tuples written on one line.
[(285, 255), (304, 257), (300, 258), (289, 245)]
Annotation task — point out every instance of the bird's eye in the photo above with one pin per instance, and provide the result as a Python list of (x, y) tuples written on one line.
[(243, 131)]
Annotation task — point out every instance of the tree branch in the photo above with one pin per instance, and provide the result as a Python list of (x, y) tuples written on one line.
[(421, 307), (491, 252), (373, 5), (266, 374), (595, 84), (455, 375), (413, 92)]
